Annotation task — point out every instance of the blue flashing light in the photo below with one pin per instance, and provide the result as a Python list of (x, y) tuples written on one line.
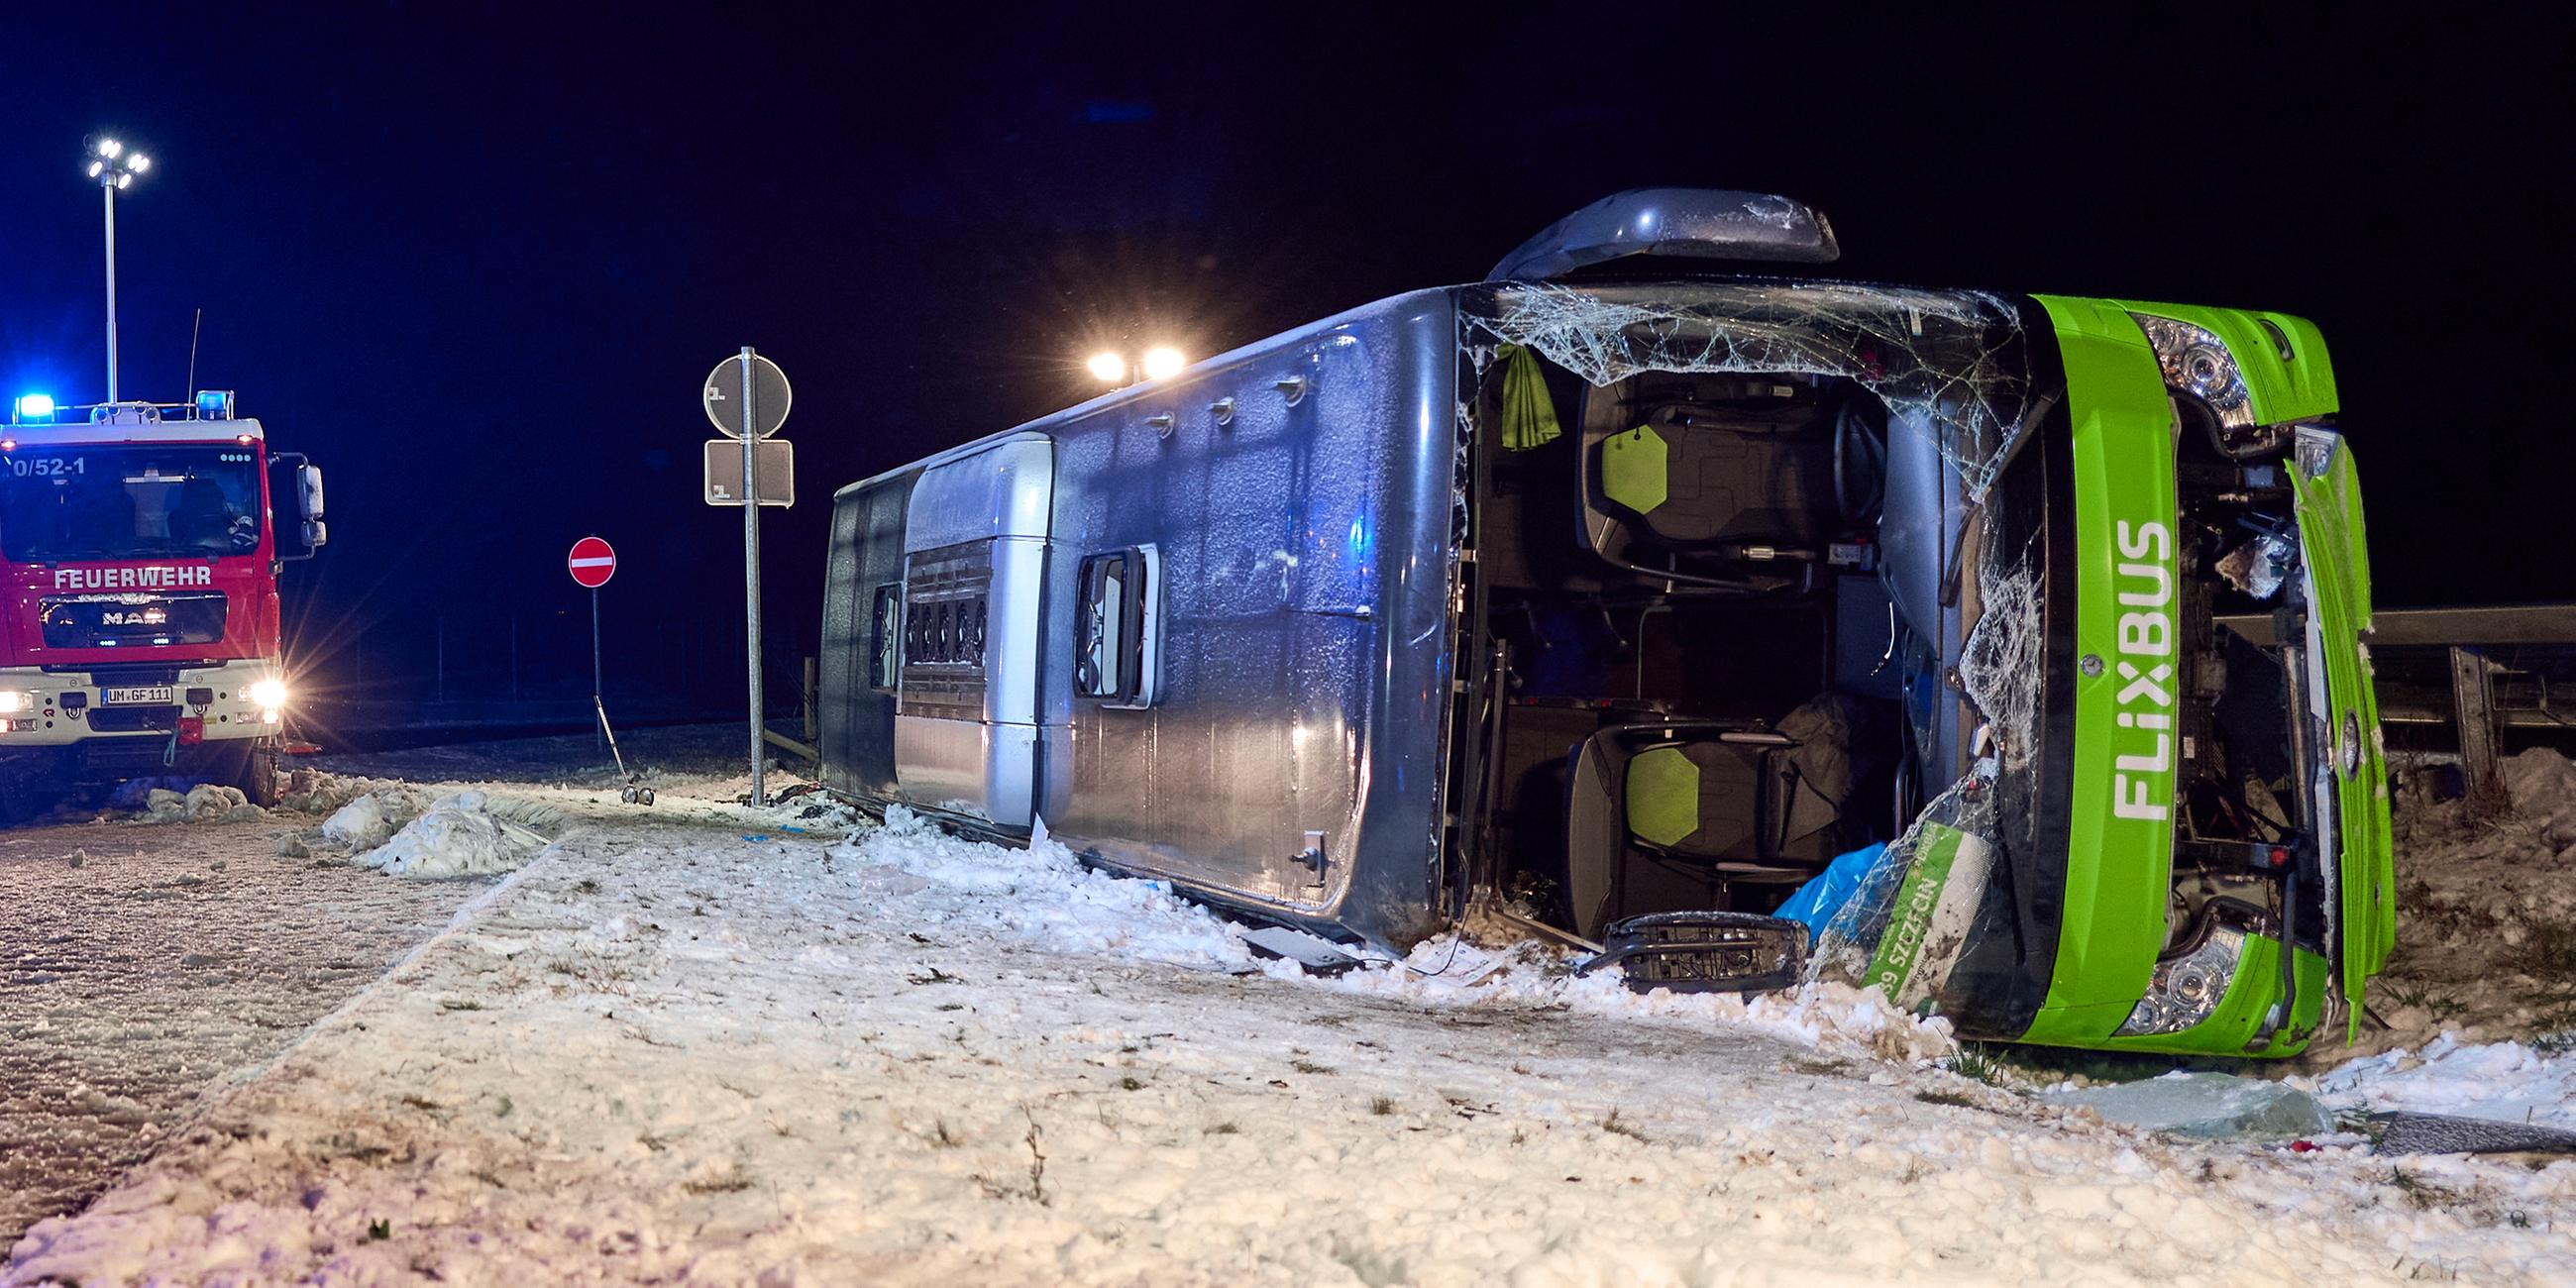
[(35, 406), (215, 404)]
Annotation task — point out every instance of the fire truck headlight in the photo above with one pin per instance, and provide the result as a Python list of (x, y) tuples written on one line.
[(269, 695), (13, 701)]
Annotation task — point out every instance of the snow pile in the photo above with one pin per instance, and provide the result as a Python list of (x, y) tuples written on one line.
[(371, 820), (2504, 1081), (1833, 1017), (203, 803), (311, 791), (1044, 895), (465, 834)]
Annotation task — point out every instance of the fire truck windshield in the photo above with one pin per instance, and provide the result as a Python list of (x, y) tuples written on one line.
[(61, 504)]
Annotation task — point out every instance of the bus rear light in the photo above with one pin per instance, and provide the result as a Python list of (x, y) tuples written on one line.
[(192, 730)]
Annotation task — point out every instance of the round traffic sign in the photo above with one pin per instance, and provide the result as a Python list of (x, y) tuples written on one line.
[(592, 562), (722, 396)]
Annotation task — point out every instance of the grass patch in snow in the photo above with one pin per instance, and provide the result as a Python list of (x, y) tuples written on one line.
[(733, 1181), (1980, 1062), (1383, 1106), (1615, 1127), (2424, 1195)]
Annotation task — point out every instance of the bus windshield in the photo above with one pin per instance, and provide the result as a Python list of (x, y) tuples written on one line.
[(60, 504)]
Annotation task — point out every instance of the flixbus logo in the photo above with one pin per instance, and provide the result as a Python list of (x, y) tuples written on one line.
[(2145, 588), (155, 577)]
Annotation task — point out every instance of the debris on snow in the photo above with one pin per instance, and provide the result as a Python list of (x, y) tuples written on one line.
[(2505, 1081), (2207, 1105)]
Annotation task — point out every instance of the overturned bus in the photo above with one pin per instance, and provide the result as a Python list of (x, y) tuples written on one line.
[(1610, 600)]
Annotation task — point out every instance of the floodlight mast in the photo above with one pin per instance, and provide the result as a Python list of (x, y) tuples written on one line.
[(113, 166)]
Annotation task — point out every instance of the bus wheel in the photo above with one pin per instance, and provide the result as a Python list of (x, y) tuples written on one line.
[(258, 777)]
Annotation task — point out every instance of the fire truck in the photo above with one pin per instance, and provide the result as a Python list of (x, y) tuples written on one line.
[(140, 549)]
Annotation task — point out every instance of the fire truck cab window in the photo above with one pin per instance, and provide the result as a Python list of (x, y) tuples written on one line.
[(178, 502)]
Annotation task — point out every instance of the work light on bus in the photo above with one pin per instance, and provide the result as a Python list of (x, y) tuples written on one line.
[(13, 701), (1108, 368), (109, 148), (1162, 363), (138, 163), (35, 406), (268, 695)]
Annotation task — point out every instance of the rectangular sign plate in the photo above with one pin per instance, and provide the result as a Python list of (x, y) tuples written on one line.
[(122, 697), (777, 472)]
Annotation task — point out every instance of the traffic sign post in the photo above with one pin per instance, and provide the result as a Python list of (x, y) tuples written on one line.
[(747, 398), (591, 563)]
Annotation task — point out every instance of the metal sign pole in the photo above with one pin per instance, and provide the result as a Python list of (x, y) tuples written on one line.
[(751, 568), (594, 662)]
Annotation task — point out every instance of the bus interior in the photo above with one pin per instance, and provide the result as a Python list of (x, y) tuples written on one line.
[(1692, 677)]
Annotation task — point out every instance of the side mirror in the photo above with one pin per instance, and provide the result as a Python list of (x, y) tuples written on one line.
[(308, 487), (308, 528)]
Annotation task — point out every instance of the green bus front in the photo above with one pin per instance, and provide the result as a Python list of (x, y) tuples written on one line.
[(2228, 887)]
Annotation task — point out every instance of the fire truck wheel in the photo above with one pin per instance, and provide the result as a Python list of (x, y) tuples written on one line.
[(258, 779)]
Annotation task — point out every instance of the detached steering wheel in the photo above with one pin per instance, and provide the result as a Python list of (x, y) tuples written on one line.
[(1860, 459)]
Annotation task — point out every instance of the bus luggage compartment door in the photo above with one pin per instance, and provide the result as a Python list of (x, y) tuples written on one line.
[(968, 735)]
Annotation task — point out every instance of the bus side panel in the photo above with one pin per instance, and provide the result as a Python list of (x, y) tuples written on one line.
[(856, 715), (1303, 548)]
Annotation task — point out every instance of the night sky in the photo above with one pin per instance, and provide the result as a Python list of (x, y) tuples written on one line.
[(476, 262)]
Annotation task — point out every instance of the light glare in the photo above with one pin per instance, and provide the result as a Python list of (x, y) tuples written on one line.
[(1107, 367), (1162, 362), (268, 695)]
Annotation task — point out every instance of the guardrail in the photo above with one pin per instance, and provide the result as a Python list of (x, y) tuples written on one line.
[(2480, 670)]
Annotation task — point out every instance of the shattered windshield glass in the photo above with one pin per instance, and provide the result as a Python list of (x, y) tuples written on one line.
[(1954, 360)]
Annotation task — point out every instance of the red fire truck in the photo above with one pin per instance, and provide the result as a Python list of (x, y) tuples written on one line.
[(140, 547)]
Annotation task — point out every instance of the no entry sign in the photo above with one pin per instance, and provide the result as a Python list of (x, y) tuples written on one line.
[(592, 562)]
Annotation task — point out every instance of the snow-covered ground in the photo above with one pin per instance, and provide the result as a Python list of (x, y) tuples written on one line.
[(697, 1043), (141, 962)]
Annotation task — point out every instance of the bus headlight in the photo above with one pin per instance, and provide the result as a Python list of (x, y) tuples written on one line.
[(2186, 990), (268, 695)]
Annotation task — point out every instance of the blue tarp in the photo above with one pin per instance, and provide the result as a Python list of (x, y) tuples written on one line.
[(1816, 902)]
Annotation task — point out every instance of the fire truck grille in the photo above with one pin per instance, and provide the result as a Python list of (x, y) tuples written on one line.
[(133, 719)]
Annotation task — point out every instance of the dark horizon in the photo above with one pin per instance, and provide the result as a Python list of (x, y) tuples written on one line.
[(476, 264)]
